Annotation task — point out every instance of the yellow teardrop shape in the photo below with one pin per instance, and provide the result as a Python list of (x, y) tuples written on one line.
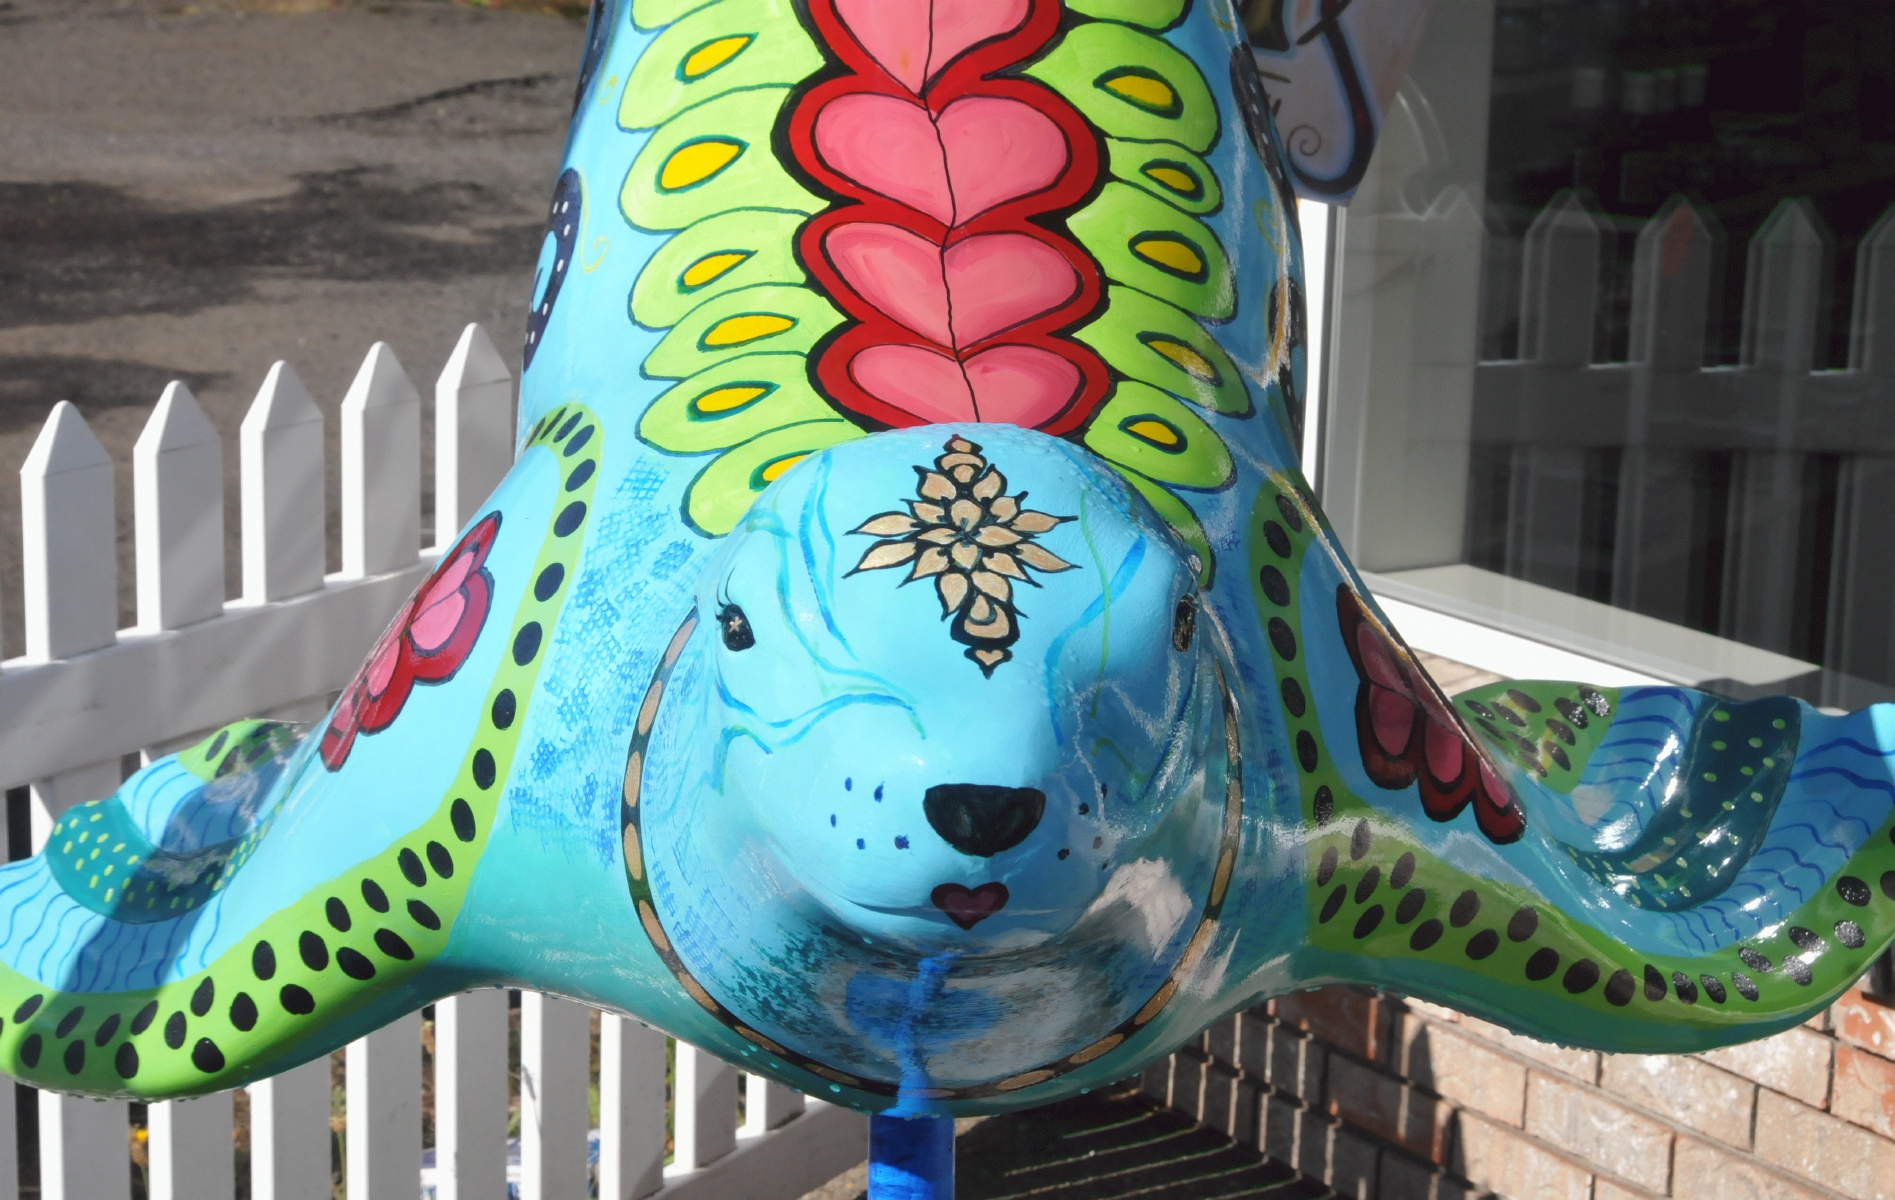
[(772, 470), (725, 399), (745, 327), (712, 55), (708, 268), (1157, 432), (1145, 90), (696, 161), (1179, 181), (1188, 360), (1170, 252)]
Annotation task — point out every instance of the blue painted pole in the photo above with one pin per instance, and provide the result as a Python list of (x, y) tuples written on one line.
[(911, 1158)]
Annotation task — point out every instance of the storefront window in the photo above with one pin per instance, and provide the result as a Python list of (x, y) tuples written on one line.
[(1611, 337)]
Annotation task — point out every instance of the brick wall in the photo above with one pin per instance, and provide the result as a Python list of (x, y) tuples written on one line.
[(1381, 1096)]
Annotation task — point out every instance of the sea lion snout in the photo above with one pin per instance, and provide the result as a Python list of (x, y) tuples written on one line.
[(981, 819)]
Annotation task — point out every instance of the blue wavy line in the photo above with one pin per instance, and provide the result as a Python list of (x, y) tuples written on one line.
[(1880, 785), (1851, 744)]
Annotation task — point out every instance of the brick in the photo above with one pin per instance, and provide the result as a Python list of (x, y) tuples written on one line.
[(1824, 1149), (1282, 1133), (1584, 1123), (1253, 1044), (1389, 1108), (1319, 1148), (1349, 1018), (1353, 1164), (1247, 1100), (1701, 1171), (1581, 1064), (1794, 1062), (1156, 1081), (1496, 1157), (1692, 1093), (1606, 1189), (1223, 1105), (1404, 1178), (1187, 1084), (1463, 1070), (1221, 1041), (1436, 1012), (1284, 1057), (1867, 1023), (1865, 1090)]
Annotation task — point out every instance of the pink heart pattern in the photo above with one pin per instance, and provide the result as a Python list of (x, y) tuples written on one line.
[(1013, 385), (978, 287), (914, 39)]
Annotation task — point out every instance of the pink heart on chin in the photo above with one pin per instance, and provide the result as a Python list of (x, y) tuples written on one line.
[(968, 907), (986, 151), (999, 280), (914, 39), (1014, 385), (897, 271)]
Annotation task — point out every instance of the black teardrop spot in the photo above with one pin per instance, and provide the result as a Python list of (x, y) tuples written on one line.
[(107, 1029), (217, 744), (354, 963), (27, 1008), (1754, 960), (1853, 890), (1682, 985), (174, 1030), (1562, 731), (1294, 702), (1746, 987), (1466, 908), (504, 709), (1581, 976), (206, 1057), (423, 915), (1482, 944), (1713, 987), (391, 944), (1279, 540), (569, 518), (548, 581), (440, 860), (262, 961), (297, 1001), (1366, 923), (1798, 970), (1326, 867), (1282, 639), (1306, 749), (1619, 988), (1523, 700), (568, 427), (338, 914), (1543, 963), (1888, 881), (526, 643), (145, 1017), (1559, 757), (29, 1050), (1276, 589), (462, 815), (314, 950), (1360, 840), (1850, 934), (1403, 872), (1365, 886), (580, 439), (411, 867), (75, 1057), (1426, 934), (126, 1060), (1325, 806), (374, 896), (1805, 939), (1522, 925), (483, 768), (580, 474), (243, 1012), (1333, 905), (1654, 983), (1291, 517), (69, 1022), (1410, 907)]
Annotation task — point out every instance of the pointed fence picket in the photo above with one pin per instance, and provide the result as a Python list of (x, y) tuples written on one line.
[(1637, 480), (86, 693)]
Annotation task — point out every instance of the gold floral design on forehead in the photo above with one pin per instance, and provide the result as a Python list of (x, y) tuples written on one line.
[(976, 543)]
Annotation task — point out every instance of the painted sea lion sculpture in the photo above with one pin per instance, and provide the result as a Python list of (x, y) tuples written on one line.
[(906, 658)]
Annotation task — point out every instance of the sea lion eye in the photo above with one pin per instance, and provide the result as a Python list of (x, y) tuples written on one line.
[(1184, 624), (736, 628)]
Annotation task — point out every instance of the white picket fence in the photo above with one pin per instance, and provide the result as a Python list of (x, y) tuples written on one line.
[(1597, 470), (86, 694)]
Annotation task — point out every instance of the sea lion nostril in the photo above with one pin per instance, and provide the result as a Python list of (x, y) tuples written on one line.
[(981, 819)]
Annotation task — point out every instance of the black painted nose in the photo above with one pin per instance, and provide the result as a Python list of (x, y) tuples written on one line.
[(980, 819)]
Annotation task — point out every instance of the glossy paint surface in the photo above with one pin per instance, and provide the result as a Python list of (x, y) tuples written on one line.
[(906, 658)]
